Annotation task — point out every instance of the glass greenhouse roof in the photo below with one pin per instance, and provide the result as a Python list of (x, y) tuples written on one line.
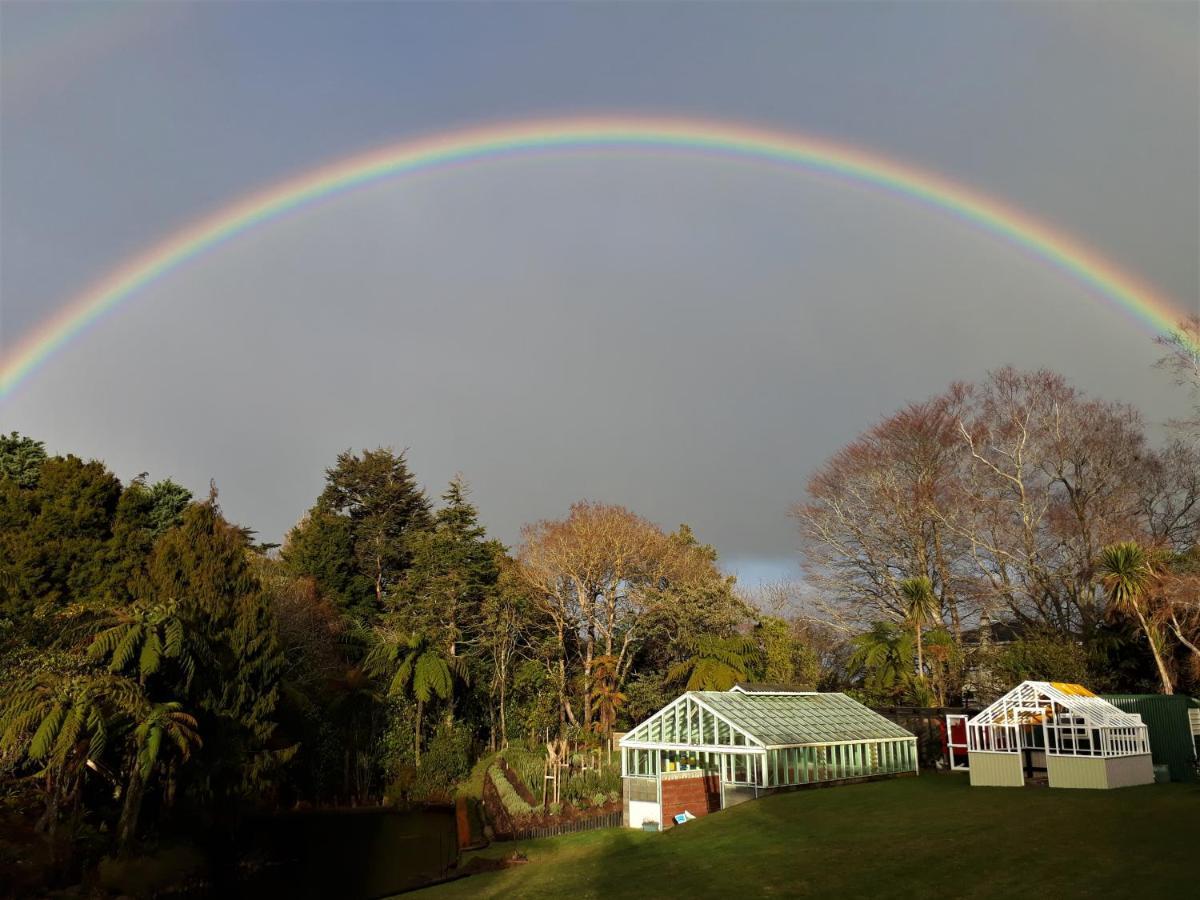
[(766, 719), (781, 719)]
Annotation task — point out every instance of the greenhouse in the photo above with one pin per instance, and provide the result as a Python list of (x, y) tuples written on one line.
[(1060, 732), (708, 750)]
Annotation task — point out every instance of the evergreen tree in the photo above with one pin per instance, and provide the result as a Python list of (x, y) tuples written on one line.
[(55, 534), (371, 507), (454, 569), (203, 564), (21, 459), (321, 547)]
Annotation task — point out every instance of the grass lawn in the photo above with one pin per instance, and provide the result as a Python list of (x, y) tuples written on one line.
[(933, 835)]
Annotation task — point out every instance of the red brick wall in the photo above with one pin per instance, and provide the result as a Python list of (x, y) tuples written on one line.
[(699, 796)]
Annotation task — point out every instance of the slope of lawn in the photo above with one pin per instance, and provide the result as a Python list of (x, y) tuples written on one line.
[(933, 835)]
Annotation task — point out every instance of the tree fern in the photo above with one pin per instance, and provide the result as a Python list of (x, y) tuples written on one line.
[(716, 663)]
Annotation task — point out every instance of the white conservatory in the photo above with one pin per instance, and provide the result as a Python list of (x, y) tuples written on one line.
[(1062, 730)]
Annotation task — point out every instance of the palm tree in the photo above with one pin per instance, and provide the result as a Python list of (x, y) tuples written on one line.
[(715, 663), (1127, 572), (416, 666), (156, 722), (921, 607), (885, 655)]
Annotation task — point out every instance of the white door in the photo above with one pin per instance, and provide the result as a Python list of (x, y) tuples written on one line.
[(956, 742)]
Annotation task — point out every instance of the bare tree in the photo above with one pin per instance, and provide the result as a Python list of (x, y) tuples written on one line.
[(881, 511), (1002, 494), (1182, 361)]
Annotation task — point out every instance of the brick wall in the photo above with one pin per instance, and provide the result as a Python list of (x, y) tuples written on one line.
[(698, 794)]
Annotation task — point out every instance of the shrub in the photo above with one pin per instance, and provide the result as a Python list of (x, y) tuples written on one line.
[(445, 763), (472, 786), (600, 799), (513, 803), (555, 809), (582, 786), (530, 767)]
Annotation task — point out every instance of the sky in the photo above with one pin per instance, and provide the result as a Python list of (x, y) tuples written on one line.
[(689, 337)]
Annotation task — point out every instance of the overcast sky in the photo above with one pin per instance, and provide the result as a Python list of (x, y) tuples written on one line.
[(689, 337)]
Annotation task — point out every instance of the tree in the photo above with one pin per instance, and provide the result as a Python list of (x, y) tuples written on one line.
[(21, 459), (606, 699), (884, 657), (921, 608), (716, 663), (883, 508), (379, 496), (1182, 361), (503, 617), (415, 666), (453, 570), (1002, 494), (786, 657), (144, 635), (1127, 572), (154, 723), (60, 719), (1179, 603), (55, 535), (602, 578), (204, 564), (1042, 656), (321, 547)]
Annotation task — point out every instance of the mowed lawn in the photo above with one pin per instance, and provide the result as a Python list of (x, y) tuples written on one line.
[(928, 836)]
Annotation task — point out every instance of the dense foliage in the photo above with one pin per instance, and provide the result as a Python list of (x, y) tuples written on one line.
[(166, 671)]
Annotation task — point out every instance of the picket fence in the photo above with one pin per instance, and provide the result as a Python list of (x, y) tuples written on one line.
[(608, 820)]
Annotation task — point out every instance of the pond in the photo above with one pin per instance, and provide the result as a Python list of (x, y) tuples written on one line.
[(352, 854)]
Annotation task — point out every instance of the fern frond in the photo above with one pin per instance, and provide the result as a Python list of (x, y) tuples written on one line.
[(151, 656), (43, 738), (125, 649)]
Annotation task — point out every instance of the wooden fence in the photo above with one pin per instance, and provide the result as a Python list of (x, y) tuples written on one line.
[(590, 823), (926, 722)]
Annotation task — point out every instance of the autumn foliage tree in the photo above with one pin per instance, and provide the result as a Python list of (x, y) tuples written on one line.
[(599, 577)]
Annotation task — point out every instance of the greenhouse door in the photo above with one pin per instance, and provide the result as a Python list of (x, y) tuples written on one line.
[(956, 743)]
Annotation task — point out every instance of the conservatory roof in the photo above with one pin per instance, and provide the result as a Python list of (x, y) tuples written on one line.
[(1030, 697), (768, 720), (782, 719)]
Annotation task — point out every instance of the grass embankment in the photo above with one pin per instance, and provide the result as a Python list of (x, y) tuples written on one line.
[(927, 836)]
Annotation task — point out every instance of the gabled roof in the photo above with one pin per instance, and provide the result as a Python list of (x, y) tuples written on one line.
[(755, 721), (1029, 698), (763, 687), (791, 719)]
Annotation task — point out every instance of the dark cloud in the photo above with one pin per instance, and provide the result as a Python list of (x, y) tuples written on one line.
[(689, 337)]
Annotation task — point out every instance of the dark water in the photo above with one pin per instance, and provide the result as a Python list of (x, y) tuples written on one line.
[(355, 854)]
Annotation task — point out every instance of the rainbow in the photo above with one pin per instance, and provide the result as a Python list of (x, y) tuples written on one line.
[(589, 134)]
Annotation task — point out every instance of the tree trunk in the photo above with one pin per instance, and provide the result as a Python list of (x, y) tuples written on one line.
[(503, 715), (1167, 687), (130, 811), (587, 681), (1177, 630), (417, 733)]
